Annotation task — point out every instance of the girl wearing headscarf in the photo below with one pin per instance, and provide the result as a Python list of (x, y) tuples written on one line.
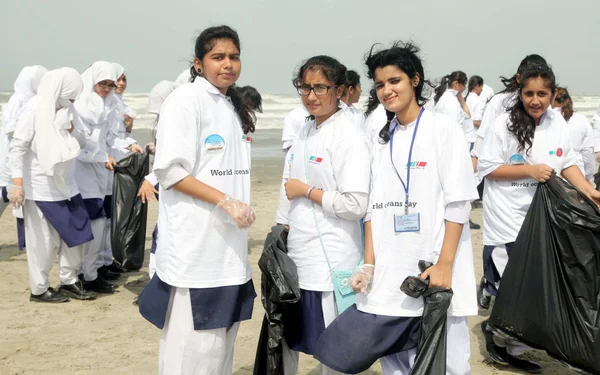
[(123, 144), (96, 115), (42, 162), (25, 88)]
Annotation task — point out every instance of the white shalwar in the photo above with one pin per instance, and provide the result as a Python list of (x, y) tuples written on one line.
[(441, 181), (197, 250), (338, 161), (49, 181), (95, 118), (293, 122)]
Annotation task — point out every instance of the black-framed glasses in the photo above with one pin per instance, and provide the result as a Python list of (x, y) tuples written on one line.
[(107, 84), (319, 90)]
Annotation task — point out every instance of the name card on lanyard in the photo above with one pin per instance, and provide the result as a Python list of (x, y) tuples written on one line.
[(409, 222)]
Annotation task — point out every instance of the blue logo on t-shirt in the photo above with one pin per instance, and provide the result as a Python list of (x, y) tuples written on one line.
[(214, 142), (517, 159)]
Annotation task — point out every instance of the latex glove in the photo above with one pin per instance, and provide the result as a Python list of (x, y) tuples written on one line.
[(362, 277), (147, 192), (238, 213), (16, 195)]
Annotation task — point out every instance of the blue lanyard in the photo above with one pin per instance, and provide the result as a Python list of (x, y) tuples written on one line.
[(412, 143)]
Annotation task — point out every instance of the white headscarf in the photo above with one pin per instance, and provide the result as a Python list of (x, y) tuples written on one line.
[(120, 71), (158, 94), (52, 143), (184, 77), (91, 107), (26, 87)]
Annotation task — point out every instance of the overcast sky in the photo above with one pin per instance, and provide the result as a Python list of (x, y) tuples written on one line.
[(154, 39)]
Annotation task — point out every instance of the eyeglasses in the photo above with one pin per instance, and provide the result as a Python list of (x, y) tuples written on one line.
[(107, 85), (319, 90)]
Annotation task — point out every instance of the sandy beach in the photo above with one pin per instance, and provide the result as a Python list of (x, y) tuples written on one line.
[(108, 335)]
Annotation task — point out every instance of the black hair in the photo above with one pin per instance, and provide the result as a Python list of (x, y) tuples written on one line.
[(372, 102), (404, 56), (251, 97), (332, 69), (511, 84), (352, 78), (566, 103), (446, 82), (521, 124), (204, 44), (474, 81)]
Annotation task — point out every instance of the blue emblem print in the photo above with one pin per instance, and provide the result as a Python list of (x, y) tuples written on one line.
[(517, 159), (214, 142)]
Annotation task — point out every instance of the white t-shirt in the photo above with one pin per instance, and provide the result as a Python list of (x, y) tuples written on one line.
[(374, 123), (582, 142), (338, 160), (498, 105), (354, 114), (505, 203), (200, 135), (449, 105), (473, 102), (37, 185), (4, 170), (487, 92), (292, 123), (441, 173), (597, 130)]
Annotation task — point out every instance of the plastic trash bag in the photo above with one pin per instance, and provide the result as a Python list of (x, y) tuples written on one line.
[(279, 288), (549, 297), (129, 214), (431, 352)]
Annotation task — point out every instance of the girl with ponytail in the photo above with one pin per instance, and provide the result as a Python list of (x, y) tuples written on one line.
[(202, 288)]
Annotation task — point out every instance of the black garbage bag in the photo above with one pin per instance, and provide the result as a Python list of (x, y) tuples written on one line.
[(431, 351), (128, 226), (279, 288), (549, 298)]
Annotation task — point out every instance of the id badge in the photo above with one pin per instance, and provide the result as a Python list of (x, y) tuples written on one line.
[(407, 223)]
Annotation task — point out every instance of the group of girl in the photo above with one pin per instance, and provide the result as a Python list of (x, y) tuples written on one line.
[(62, 134)]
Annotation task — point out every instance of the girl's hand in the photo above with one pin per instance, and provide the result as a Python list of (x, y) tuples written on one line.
[(439, 274), (147, 192), (110, 164), (540, 172), (295, 189), (361, 278)]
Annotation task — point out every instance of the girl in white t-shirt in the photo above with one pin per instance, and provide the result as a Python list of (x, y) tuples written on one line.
[(521, 149), (328, 186), (582, 134), (476, 103), (421, 190), (448, 97), (202, 287), (351, 97)]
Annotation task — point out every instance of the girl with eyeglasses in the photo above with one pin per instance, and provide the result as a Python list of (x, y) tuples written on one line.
[(328, 178), (202, 288), (419, 206), (96, 116)]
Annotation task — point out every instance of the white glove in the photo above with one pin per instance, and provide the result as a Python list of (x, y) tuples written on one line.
[(238, 213), (362, 277), (16, 195)]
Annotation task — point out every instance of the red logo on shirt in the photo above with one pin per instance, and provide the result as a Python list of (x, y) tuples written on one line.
[(417, 164), (315, 160), (559, 152)]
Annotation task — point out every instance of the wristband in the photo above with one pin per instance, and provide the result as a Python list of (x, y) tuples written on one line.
[(308, 192)]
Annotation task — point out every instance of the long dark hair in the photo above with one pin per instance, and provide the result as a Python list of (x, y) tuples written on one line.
[(511, 84), (566, 103), (204, 44), (404, 56), (474, 81), (372, 102), (446, 82), (251, 97), (333, 70), (521, 124)]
